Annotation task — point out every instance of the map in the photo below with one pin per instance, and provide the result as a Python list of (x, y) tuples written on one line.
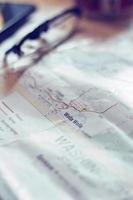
[(67, 123), (63, 100)]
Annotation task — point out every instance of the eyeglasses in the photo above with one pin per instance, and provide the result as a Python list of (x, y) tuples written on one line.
[(42, 40)]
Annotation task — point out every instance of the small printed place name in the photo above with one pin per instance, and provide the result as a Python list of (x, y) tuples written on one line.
[(74, 121)]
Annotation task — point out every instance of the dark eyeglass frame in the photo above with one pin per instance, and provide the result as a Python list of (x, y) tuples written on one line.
[(44, 27), (14, 16)]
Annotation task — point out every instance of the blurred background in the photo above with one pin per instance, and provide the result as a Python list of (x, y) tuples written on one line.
[(102, 18), (105, 10)]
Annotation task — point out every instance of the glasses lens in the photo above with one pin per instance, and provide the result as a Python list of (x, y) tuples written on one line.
[(32, 50), (60, 29)]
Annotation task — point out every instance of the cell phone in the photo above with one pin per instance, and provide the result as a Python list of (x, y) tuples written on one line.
[(12, 17)]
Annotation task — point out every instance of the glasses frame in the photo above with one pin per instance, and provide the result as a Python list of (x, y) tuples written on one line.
[(44, 27)]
